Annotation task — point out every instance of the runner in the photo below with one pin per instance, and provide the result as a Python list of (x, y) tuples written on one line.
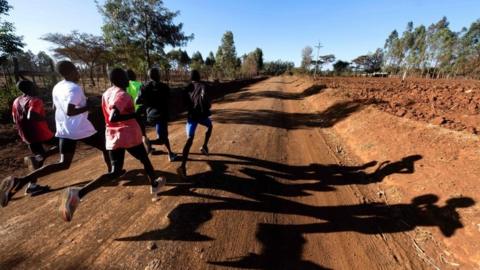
[(133, 90), (29, 118), (198, 105), (155, 96), (71, 119), (123, 133)]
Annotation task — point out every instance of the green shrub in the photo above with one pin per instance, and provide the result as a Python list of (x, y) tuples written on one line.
[(8, 93)]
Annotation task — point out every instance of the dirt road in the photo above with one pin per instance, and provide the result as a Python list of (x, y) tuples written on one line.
[(273, 194)]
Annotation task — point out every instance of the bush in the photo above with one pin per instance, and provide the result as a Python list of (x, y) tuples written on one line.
[(8, 93)]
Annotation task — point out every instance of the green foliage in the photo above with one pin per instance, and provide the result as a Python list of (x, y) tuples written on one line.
[(250, 65), (197, 57), (179, 59), (341, 67), (226, 58), (8, 94), (278, 67), (370, 62), (197, 61), (435, 50), (134, 27), (258, 53), (44, 62), (83, 48), (9, 42), (324, 60), (210, 60)]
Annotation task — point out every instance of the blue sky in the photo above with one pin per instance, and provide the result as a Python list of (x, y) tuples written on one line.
[(346, 28)]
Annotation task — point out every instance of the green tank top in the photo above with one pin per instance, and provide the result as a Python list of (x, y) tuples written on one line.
[(133, 89)]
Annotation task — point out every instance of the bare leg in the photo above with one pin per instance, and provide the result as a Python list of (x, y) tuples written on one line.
[(63, 164), (186, 150), (207, 135)]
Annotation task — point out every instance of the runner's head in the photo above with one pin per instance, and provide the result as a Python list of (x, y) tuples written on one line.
[(195, 76), (154, 74), (68, 71), (119, 78), (131, 75), (27, 87)]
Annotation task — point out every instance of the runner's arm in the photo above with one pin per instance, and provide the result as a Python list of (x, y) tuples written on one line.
[(117, 117), (72, 111)]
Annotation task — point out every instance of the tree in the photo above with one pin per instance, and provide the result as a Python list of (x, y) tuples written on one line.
[(278, 67), (435, 51), (407, 42), (44, 62), (258, 53), (179, 58), (210, 60), (340, 67), (306, 58), (197, 57), (250, 64), (146, 26), (197, 61), (419, 49), (226, 58), (394, 53), (9, 42), (324, 60), (440, 45), (371, 62), (82, 48), (471, 44)]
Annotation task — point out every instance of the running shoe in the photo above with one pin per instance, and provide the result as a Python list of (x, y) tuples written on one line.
[(161, 181), (69, 203), (34, 190), (172, 157), (204, 150), (6, 187)]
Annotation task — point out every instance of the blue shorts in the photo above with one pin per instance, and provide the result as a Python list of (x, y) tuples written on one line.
[(192, 125)]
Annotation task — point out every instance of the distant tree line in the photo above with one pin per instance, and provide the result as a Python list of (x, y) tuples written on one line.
[(434, 51)]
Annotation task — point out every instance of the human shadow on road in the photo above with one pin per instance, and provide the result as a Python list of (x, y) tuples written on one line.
[(277, 94), (281, 249), (278, 119), (279, 240), (265, 186)]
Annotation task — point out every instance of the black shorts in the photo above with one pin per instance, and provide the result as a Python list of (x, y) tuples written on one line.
[(68, 146), (38, 149)]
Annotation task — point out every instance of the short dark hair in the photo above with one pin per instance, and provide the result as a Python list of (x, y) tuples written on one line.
[(154, 74), (195, 75), (25, 86), (131, 75), (119, 78), (65, 68)]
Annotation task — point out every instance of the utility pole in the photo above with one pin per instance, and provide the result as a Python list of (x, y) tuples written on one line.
[(318, 58)]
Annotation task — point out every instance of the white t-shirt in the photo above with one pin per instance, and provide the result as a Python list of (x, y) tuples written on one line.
[(71, 127)]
